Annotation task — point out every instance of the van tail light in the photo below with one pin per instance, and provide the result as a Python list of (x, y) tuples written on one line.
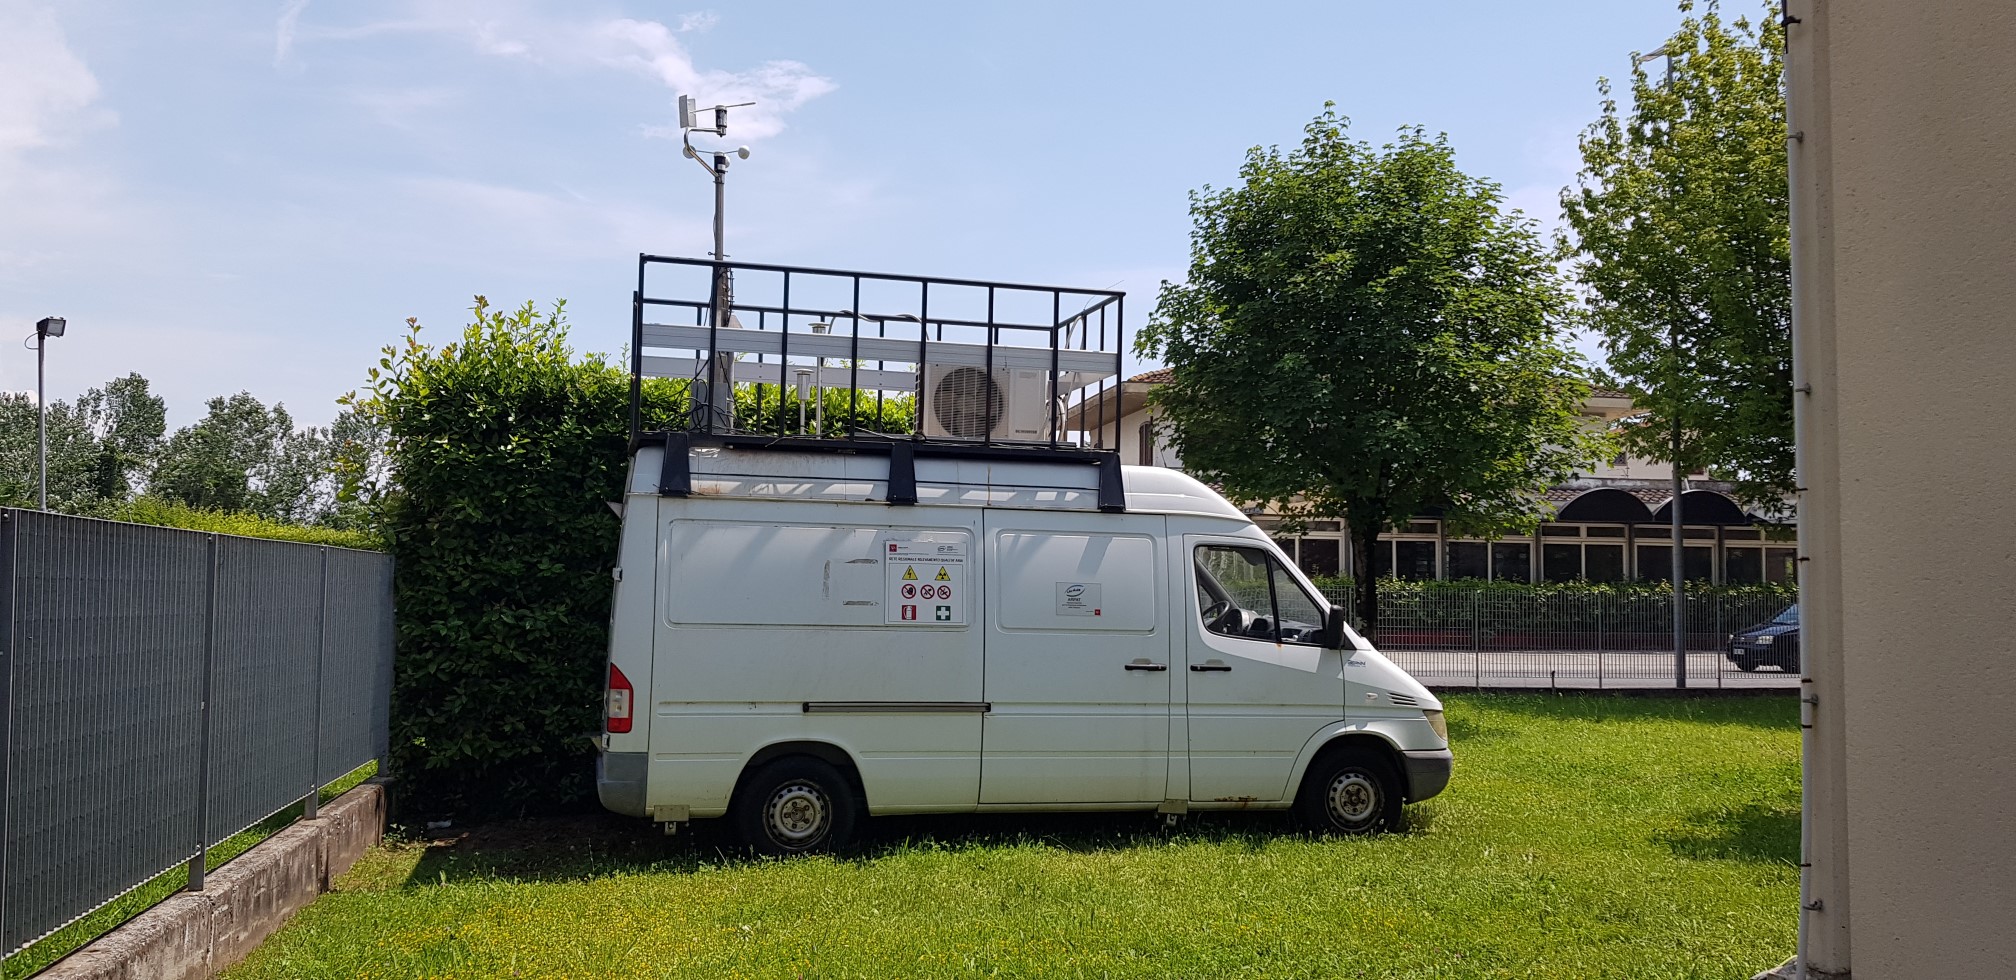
[(621, 697)]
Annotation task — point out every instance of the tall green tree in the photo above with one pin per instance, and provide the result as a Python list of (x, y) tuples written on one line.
[(1366, 333), (1679, 233), (99, 446)]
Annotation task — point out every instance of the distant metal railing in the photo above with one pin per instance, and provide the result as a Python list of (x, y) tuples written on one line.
[(162, 690), (1496, 637)]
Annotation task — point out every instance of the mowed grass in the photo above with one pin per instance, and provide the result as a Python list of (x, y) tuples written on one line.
[(1581, 837)]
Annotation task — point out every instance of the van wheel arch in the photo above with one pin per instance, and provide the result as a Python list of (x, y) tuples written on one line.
[(1360, 742), (1353, 785), (826, 752)]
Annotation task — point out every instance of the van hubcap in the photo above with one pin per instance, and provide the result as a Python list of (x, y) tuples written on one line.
[(1353, 798), (799, 814)]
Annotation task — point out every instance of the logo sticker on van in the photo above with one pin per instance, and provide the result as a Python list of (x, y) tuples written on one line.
[(1078, 599)]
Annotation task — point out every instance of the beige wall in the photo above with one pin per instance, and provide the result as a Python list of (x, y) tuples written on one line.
[(1904, 197)]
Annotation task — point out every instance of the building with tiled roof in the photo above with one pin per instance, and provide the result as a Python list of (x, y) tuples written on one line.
[(1611, 524)]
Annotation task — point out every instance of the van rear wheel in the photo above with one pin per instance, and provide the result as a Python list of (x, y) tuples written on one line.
[(797, 805), (1352, 791)]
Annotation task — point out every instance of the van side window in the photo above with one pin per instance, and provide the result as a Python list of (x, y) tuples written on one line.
[(1244, 592)]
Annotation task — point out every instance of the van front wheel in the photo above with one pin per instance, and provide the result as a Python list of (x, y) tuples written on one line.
[(1350, 792), (797, 805)]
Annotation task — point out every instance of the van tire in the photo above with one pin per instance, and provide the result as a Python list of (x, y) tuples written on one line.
[(1350, 791), (796, 805)]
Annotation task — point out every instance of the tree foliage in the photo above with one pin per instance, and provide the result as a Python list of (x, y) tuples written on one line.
[(1365, 333), (100, 446), (1679, 230)]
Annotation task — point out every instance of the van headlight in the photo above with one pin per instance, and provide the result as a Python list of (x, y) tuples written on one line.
[(1436, 721), (1765, 640)]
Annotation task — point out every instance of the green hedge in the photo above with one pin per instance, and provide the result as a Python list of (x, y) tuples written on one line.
[(506, 450), (163, 513), (1565, 607)]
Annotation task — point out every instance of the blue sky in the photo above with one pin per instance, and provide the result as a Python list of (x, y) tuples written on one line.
[(244, 195)]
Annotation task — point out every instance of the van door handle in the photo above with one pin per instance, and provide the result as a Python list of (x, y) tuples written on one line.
[(1144, 665), (1202, 668)]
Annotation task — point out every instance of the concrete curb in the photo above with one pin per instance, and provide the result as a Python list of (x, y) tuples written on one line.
[(195, 935)]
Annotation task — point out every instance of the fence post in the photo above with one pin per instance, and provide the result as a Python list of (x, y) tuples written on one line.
[(314, 803), (10, 527), (196, 864), (1477, 636)]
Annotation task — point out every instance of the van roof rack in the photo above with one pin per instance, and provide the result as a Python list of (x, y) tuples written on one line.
[(944, 367)]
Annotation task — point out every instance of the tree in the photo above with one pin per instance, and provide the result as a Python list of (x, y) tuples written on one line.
[(1681, 241), (1364, 333), (98, 446), (245, 457)]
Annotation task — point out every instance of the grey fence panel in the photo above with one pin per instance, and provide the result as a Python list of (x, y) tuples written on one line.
[(113, 769), (356, 662), (105, 666), (1495, 637), (262, 679)]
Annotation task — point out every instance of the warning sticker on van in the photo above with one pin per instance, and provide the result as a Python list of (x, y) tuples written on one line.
[(940, 563)]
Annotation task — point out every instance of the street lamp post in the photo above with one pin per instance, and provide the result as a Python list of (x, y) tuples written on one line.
[(1679, 487), (45, 328)]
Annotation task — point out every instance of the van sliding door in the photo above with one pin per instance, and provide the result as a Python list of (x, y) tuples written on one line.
[(1078, 659)]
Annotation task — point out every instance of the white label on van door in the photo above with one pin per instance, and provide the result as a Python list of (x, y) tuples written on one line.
[(1078, 599), (926, 582)]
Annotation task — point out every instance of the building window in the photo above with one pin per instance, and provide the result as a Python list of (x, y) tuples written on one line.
[(1604, 532), (1655, 563), (1560, 530), (1469, 559), (1318, 557), (1561, 562), (1603, 562), (1414, 560), (1781, 565), (1743, 566), (1148, 443), (1511, 561)]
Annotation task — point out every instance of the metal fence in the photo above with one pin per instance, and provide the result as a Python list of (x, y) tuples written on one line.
[(1484, 637), (163, 690)]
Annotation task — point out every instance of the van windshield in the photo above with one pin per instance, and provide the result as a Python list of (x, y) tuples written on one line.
[(1790, 617)]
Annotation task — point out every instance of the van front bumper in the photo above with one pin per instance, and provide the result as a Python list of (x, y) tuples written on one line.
[(619, 781), (1427, 772)]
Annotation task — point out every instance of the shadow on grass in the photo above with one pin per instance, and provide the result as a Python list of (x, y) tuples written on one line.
[(1765, 832), (591, 846)]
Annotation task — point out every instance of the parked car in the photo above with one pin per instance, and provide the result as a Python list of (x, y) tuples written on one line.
[(1773, 642)]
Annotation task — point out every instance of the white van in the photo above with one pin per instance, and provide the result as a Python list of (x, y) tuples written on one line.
[(790, 650)]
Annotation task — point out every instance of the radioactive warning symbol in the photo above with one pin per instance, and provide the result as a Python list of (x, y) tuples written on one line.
[(910, 574), (942, 577)]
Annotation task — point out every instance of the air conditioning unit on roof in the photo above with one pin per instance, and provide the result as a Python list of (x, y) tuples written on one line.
[(1004, 405)]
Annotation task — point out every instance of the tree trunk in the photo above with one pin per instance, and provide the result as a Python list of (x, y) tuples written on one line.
[(1365, 537)]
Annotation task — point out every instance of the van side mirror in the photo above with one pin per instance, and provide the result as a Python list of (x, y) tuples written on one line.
[(1333, 628)]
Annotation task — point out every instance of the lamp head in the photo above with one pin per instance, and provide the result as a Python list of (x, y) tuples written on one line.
[(50, 326), (742, 151)]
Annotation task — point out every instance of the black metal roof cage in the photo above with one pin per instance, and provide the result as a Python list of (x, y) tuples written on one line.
[(983, 365)]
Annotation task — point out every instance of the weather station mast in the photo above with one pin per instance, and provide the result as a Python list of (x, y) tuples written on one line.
[(713, 392)]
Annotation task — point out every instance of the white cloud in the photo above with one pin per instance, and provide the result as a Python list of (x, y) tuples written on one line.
[(645, 47), (283, 31), (46, 91)]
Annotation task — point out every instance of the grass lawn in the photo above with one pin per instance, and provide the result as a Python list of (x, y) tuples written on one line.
[(36, 956), (1581, 837)]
